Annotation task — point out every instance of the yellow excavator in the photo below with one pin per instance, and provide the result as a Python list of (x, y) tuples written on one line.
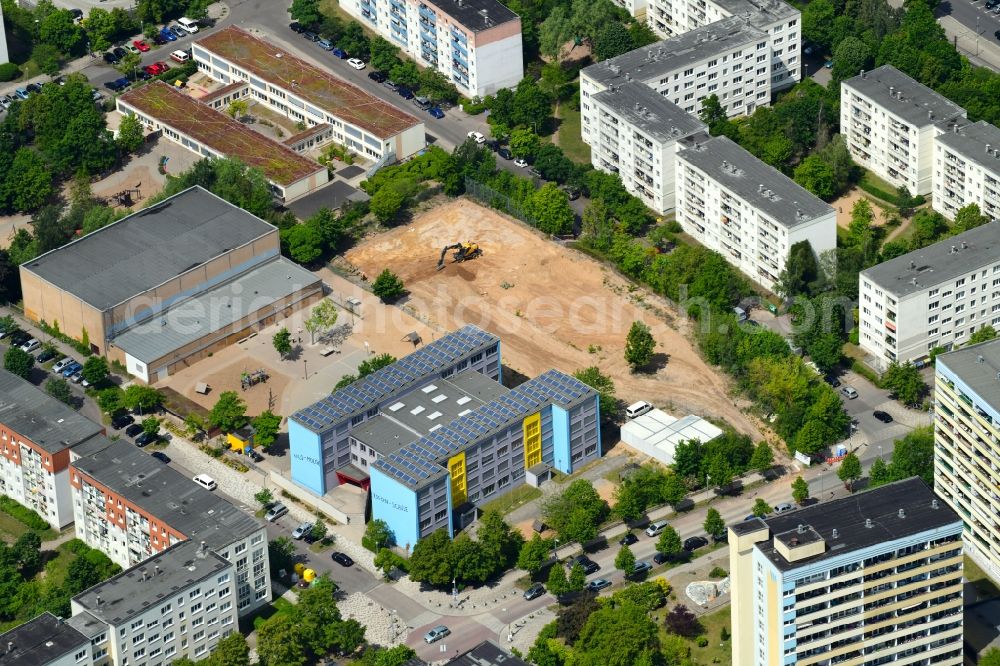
[(463, 252)]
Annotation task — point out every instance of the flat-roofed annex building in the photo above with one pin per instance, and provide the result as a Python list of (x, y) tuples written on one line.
[(967, 169), (937, 296), (967, 445), (37, 433), (303, 92), (747, 210), (476, 44), (132, 507), (890, 121), (47, 641), (873, 578), (636, 135), (211, 133), (169, 284)]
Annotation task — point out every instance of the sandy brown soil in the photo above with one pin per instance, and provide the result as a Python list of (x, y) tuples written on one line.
[(222, 373), (552, 307)]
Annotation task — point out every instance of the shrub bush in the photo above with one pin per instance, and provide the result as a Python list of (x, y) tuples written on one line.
[(9, 71), (718, 572), (702, 641), (22, 514)]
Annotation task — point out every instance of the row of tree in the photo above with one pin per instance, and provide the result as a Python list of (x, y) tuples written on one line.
[(438, 559)]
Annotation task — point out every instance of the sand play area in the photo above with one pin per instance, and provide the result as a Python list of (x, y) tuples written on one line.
[(553, 307)]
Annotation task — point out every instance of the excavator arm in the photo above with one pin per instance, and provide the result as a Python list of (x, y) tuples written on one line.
[(444, 251)]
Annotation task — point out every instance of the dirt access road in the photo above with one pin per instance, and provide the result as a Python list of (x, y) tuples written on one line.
[(553, 307)]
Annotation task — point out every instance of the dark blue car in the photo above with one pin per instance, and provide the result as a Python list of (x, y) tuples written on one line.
[(168, 35), (436, 112), (339, 52), (404, 92)]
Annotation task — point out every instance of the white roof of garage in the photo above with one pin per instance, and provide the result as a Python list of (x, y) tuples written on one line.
[(657, 433)]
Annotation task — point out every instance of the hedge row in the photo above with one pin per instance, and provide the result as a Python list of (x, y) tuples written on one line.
[(22, 514)]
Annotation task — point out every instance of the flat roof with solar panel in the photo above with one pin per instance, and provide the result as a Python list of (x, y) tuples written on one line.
[(393, 380), (420, 462)]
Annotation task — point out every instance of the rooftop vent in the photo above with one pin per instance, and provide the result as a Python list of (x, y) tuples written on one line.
[(964, 245), (989, 148), (892, 91), (901, 513), (835, 534), (934, 504), (801, 529), (868, 523), (863, 74)]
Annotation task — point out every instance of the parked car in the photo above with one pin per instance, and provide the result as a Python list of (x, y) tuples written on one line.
[(19, 338), (152, 70), (254, 456), (536, 173), (205, 481), (534, 591), (422, 103), (405, 92), (390, 84), (276, 511), (117, 84), (325, 44), (119, 52), (436, 634), (110, 58), (141, 45), (309, 35), (598, 584), (133, 430), (589, 565), (504, 153), (189, 25), (641, 569), (342, 559), (571, 192), (996, 33), (146, 438), (132, 48), (832, 381), (76, 377), (661, 558), (694, 543), (119, 421), (161, 456), (179, 31), (180, 56), (848, 392), (8, 331), (296, 28), (77, 14), (377, 76), (72, 369), (46, 355), (521, 162), (656, 528), (339, 53), (22, 93), (783, 507), (62, 364), (159, 40), (628, 539), (436, 112), (168, 34), (477, 137), (356, 63), (31, 345), (302, 530), (884, 417)]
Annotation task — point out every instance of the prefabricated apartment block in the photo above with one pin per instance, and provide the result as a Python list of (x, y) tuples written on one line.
[(875, 578), (636, 134), (890, 123), (967, 445), (132, 507), (476, 44), (967, 169), (211, 133), (169, 284), (672, 18), (37, 433), (435, 434), (746, 210), (303, 92), (937, 296)]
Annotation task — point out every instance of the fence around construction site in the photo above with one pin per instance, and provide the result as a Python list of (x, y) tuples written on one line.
[(498, 200)]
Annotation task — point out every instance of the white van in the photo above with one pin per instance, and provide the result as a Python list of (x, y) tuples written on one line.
[(206, 482), (656, 528), (180, 56), (637, 409), (188, 24)]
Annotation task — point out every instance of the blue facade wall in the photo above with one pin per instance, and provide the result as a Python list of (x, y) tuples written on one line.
[(307, 458), (397, 506), (560, 440)]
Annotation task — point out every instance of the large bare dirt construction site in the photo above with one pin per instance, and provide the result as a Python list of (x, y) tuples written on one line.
[(553, 307)]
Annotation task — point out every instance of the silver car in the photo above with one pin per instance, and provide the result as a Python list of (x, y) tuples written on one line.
[(302, 530), (436, 634), (275, 512)]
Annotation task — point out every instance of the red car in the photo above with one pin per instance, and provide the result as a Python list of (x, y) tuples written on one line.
[(141, 45), (152, 70)]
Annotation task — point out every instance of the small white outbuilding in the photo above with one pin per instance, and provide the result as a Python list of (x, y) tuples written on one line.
[(657, 434)]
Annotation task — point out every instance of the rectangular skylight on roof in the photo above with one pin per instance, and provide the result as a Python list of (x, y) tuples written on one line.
[(439, 398), (435, 427), (430, 388), (433, 415), (416, 410), (396, 407), (464, 399), (463, 413)]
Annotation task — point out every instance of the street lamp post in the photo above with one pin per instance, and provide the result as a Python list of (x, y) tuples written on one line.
[(510, 636), (879, 451), (305, 368), (555, 547)]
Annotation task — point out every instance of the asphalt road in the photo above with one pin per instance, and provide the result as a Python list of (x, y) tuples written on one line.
[(974, 16)]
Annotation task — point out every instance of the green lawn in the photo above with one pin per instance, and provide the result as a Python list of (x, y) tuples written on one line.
[(512, 500), (279, 605), (11, 529), (975, 575), (717, 651), (570, 139)]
